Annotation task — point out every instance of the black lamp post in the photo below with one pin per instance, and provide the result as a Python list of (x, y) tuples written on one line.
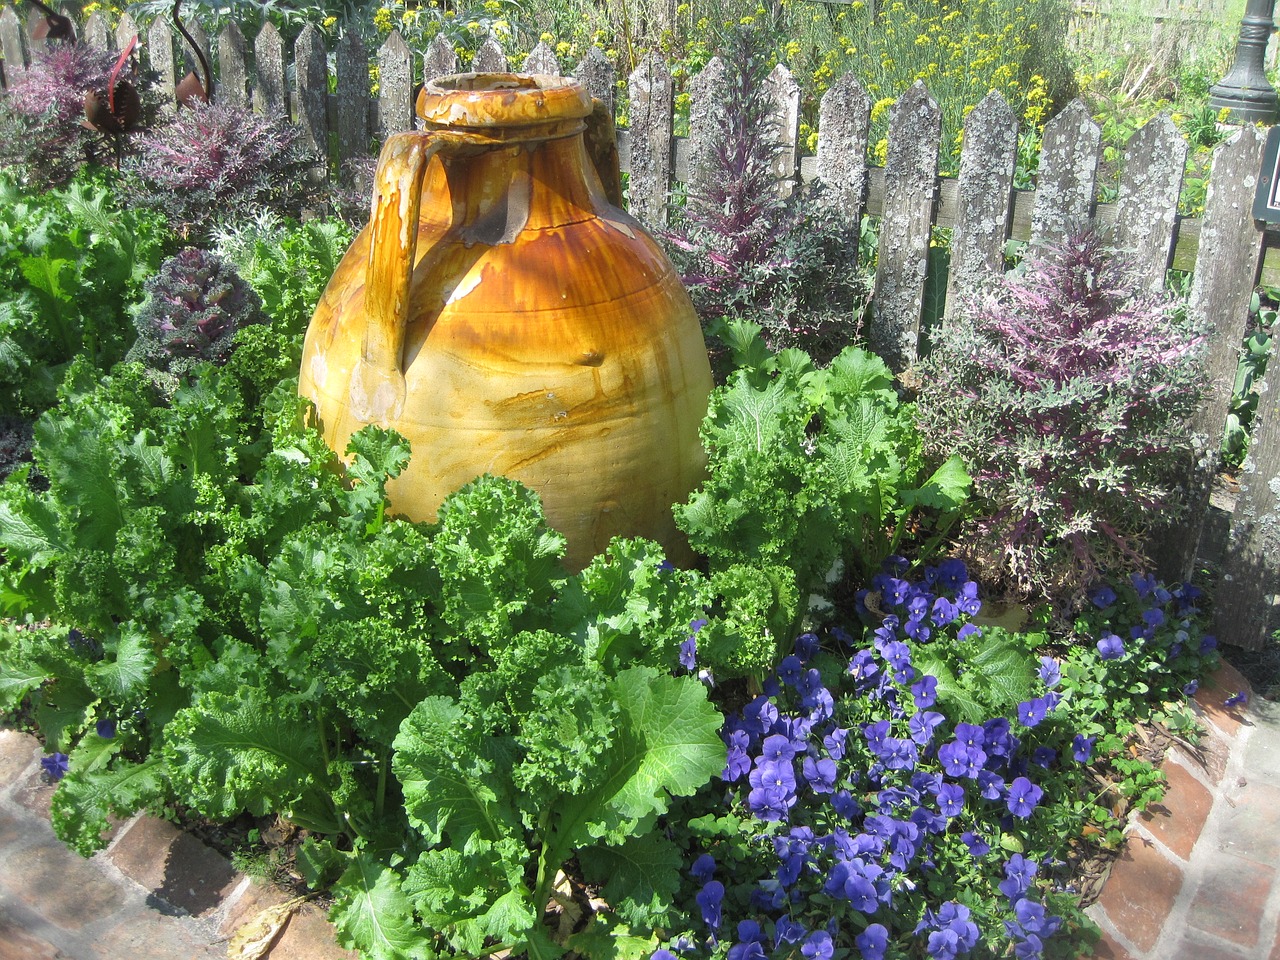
[(1245, 90)]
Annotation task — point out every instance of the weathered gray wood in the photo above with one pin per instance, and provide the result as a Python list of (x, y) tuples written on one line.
[(1067, 178), (984, 198), (34, 46), (542, 59), (598, 74), (441, 59), (351, 62), (652, 107), (707, 94), (188, 61), (490, 58), (126, 29), (1226, 269), (312, 77), (268, 55), (233, 65), (1247, 597), (97, 32), (910, 184), (395, 86), (12, 45), (784, 95), (158, 50), (844, 119), (1147, 204)]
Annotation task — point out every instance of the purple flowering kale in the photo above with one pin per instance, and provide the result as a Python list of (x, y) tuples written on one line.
[(1067, 391), (194, 306)]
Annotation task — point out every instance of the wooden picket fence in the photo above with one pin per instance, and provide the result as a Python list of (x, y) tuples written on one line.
[(1226, 249)]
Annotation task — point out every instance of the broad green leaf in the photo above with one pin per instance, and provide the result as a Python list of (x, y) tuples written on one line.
[(29, 530), (449, 775), (945, 490), (123, 673), (640, 878), (373, 915), (17, 679), (91, 792)]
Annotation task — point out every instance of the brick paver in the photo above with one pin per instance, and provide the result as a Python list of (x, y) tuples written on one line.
[(1231, 899), (1179, 818)]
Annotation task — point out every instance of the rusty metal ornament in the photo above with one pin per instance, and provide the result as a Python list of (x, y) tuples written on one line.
[(114, 109), (506, 318), (191, 90), (54, 26)]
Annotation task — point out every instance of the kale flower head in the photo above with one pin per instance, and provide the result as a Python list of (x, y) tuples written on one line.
[(194, 305)]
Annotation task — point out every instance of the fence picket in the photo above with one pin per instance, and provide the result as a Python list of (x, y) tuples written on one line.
[(312, 78), (784, 94), (707, 94), (12, 45), (650, 137), (542, 59), (984, 198), (441, 59), (126, 30), (159, 54), (269, 94), (395, 86), (351, 63), (233, 65), (1251, 569), (844, 119), (188, 61), (1147, 206), (1067, 178), (910, 183), (97, 32), (1230, 250), (490, 58), (598, 74)]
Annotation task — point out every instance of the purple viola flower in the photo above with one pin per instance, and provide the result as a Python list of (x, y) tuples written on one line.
[(819, 774), (1102, 596), (662, 955), (1050, 672), (898, 654), (923, 724), (990, 784), (1208, 643), (951, 799), (967, 631), (899, 753), (876, 734), (944, 612), (1044, 757), (1023, 797), (1238, 698), (1082, 748), (1018, 872), (835, 741), (1190, 689), (1153, 617), (844, 805), (873, 941), (689, 648), (750, 945), (895, 591), (786, 930), (818, 946), (807, 646), (106, 729), (863, 666), (54, 766), (773, 789), (1110, 647), (777, 747), (925, 692), (709, 899), (737, 762), (1144, 584), (977, 846), (704, 868), (790, 670), (1032, 711), (971, 735), (967, 599)]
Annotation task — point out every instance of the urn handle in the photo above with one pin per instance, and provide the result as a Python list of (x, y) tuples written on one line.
[(377, 382)]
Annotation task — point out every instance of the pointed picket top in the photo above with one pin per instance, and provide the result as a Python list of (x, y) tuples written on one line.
[(542, 59), (311, 73), (844, 120), (97, 32), (158, 50), (1067, 177), (784, 92), (395, 86), (708, 92), (1147, 204), (490, 58), (984, 198), (11, 44), (126, 30), (351, 63), (597, 73), (268, 55), (910, 185), (233, 65), (441, 60), (649, 141)]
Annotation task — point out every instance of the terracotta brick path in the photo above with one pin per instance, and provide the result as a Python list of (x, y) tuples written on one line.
[(1197, 880)]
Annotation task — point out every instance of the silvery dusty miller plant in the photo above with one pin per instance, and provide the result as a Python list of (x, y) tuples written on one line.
[(1067, 390)]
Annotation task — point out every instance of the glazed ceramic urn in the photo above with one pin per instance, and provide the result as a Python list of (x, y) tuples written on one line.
[(506, 318)]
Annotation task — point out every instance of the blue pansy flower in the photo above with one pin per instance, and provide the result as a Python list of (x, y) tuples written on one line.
[(1023, 797), (1110, 647)]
